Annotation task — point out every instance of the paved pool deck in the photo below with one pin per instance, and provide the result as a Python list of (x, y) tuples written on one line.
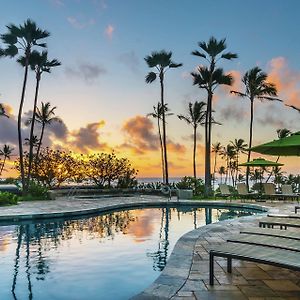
[(186, 273)]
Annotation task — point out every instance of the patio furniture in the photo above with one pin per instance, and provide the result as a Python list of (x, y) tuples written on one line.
[(272, 232), (287, 191), (270, 222), (260, 254), (224, 191), (269, 191), (244, 193), (279, 242)]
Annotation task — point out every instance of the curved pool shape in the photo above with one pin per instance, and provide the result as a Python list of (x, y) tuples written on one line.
[(110, 256)]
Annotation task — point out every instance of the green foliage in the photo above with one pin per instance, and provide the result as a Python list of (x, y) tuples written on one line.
[(7, 198), (189, 182), (38, 191)]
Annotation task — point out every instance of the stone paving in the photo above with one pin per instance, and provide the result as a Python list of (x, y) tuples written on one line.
[(186, 273)]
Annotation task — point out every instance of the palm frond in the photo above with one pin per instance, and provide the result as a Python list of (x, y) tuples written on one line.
[(150, 77), (229, 55), (238, 93), (293, 107), (197, 53)]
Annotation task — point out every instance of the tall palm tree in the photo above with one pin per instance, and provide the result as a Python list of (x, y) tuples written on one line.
[(157, 114), (239, 146), (6, 152), (40, 64), (209, 78), (281, 133), (22, 39), (256, 87), (195, 117), (216, 148), (2, 111), (222, 171), (45, 116), (227, 153), (161, 62)]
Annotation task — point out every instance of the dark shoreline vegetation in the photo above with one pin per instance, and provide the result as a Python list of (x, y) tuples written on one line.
[(42, 168)]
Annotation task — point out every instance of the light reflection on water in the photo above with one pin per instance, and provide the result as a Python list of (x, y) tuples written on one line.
[(109, 256)]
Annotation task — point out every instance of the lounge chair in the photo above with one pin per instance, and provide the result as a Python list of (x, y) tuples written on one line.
[(244, 193), (269, 191), (287, 191), (272, 232), (270, 222), (279, 242), (224, 191), (260, 254)]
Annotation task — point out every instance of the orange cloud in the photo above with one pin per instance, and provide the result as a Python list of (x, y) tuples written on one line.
[(109, 30), (286, 80), (139, 135)]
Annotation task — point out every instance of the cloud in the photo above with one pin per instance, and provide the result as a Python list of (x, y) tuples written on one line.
[(87, 138), (237, 83), (233, 112), (131, 60), (176, 147), (109, 31), (286, 80), (139, 135), (57, 3), (78, 24), (87, 71), (59, 130)]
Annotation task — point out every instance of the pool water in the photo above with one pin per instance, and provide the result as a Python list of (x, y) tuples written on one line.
[(110, 256)]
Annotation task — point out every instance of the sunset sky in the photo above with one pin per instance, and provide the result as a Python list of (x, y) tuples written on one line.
[(100, 90)]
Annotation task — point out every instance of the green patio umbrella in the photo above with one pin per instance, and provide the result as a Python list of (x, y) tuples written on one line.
[(261, 162), (288, 146)]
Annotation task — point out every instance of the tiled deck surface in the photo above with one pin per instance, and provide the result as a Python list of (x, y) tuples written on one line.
[(186, 273)]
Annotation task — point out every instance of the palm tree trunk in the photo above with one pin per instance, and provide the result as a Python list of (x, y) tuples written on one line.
[(194, 151), (271, 173), (208, 145), (250, 141), (32, 128), (215, 165), (24, 188), (164, 128), (2, 166), (161, 149), (40, 142)]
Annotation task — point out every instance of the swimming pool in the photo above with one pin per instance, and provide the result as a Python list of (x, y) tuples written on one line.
[(108, 256)]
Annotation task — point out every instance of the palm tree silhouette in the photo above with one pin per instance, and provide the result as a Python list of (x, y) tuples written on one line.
[(157, 114), (6, 151), (40, 64), (209, 78), (216, 148), (222, 171), (161, 62), (45, 116), (256, 87), (195, 117), (22, 38), (239, 146)]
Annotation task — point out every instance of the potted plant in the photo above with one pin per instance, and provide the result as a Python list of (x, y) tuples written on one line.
[(185, 188)]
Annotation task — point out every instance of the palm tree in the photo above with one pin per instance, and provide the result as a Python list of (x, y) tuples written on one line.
[(157, 114), (227, 153), (45, 116), (2, 111), (256, 87), (22, 38), (195, 117), (40, 64), (222, 171), (294, 107), (240, 147), (209, 78), (216, 148), (6, 151), (281, 133), (161, 62)]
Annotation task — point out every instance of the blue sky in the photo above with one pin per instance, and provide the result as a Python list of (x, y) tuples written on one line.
[(102, 43)]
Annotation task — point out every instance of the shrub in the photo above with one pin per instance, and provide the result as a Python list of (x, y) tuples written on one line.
[(36, 191), (189, 182), (7, 198)]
